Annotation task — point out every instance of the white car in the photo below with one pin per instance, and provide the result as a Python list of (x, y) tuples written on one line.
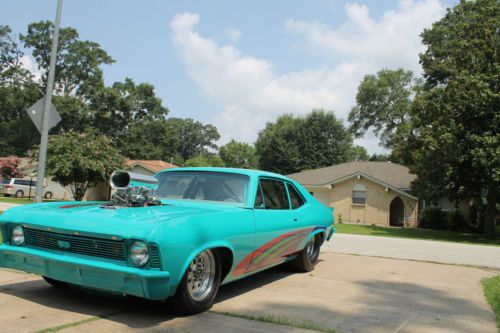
[(20, 188)]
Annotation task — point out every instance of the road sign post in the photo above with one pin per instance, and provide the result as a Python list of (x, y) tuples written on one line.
[(42, 156)]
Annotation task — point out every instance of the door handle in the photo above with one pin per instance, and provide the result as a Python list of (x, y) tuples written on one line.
[(295, 219)]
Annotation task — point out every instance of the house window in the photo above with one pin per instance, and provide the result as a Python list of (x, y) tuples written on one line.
[(359, 194)]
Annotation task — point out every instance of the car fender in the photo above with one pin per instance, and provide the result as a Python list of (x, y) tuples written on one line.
[(204, 247), (314, 232)]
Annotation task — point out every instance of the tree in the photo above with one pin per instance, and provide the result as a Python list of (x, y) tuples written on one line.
[(236, 154), (382, 104), (78, 62), (379, 158), (195, 138), (81, 160), (204, 161), (359, 153), (454, 140), (293, 143), (9, 168)]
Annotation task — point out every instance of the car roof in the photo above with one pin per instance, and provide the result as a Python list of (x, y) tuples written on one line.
[(248, 172)]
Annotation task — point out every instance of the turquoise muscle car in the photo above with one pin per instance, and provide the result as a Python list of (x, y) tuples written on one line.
[(176, 236)]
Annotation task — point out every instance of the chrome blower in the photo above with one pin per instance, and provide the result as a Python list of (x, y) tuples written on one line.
[(133, 189)]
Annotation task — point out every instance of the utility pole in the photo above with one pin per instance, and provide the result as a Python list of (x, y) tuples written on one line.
[(42, 157)]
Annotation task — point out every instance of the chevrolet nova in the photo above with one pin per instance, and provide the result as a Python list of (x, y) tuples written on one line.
[(176, 236)]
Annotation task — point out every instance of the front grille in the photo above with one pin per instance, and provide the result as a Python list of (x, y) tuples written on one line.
[(5, 234), (154, 256), (103, 248)]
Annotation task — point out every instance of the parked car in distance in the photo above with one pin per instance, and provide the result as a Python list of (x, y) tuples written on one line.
[(20, 188), (177, 236)]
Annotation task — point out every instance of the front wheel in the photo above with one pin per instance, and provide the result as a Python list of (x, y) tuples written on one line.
[(308, 257), (198, 288)]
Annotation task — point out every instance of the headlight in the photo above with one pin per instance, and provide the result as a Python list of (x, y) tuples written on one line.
[(139, 253), (17, 236)]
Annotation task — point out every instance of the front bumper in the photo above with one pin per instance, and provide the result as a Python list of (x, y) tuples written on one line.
[(150, 284)]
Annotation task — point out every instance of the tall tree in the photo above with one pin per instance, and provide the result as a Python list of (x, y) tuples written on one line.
[(78, 61), (293, 143), (454, 139), (207, 160), (195, 138), (382, 105), (238, 155), (81, 160)]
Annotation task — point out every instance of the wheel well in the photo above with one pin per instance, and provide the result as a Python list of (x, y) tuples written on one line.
[(226, 259)]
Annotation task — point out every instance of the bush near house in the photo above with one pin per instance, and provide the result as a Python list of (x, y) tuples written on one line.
[(435, 218)]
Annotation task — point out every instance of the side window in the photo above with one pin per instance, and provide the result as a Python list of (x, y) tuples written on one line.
[(22, 182), (295, 198), (274, 193), (259, 200)]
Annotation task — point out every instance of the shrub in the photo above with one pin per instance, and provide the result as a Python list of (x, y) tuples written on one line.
[(456, 221), (433, 218)]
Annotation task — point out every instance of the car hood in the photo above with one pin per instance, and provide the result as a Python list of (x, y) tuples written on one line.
[(92, 219)]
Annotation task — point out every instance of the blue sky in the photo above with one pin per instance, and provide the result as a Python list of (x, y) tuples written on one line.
[(239, 64)]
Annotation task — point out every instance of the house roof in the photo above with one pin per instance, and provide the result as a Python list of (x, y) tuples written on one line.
[(152, 165), (391, 174)]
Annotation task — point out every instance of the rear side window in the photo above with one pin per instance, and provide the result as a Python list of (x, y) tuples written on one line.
[(274, 194), (295, 198), (22, 182), (5, 181)]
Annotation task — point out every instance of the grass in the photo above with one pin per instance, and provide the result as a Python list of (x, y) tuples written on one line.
[(308, 325), (427, 234), (21, 201), (64, 326), (491, 287)]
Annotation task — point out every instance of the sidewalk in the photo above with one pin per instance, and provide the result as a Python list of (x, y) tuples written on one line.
[(415, 249), (4, 206)]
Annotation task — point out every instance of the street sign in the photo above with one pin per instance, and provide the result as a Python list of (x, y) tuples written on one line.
[(36, 114)]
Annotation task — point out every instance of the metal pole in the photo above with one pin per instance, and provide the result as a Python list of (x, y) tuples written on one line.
[(46, 109)]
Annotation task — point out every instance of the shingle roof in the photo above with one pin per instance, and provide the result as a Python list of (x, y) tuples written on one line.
[(153, 165), (393, 174)]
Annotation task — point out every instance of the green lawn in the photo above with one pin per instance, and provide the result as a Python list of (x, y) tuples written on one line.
[(491, 288), (447, 236), (20, 201)]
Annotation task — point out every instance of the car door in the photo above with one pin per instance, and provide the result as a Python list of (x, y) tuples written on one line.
[(274, 223)]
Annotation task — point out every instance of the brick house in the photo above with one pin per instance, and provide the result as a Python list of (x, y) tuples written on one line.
[(364, 192)]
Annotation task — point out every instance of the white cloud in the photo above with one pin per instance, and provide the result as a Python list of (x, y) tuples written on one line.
[(27, 62), (233, 34), (250, 92)]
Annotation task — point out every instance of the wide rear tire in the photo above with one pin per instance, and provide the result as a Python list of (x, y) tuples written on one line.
[(308, 257), (200, 284)]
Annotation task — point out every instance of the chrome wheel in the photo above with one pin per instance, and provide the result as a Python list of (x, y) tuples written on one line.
[(311, 249), (201, 275)]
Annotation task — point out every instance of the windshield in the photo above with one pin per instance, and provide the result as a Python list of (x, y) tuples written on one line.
[(203, 185)]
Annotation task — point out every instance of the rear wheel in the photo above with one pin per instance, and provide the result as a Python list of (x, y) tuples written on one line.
[(55, 283), (308, 257), (198, 288), (19, 194)]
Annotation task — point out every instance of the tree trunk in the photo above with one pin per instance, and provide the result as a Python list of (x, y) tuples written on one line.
[(491, 213)]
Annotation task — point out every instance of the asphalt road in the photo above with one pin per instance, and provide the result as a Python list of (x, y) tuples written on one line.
[(347, 293)]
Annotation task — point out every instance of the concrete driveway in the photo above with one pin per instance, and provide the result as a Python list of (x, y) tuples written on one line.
[(346, 293)]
